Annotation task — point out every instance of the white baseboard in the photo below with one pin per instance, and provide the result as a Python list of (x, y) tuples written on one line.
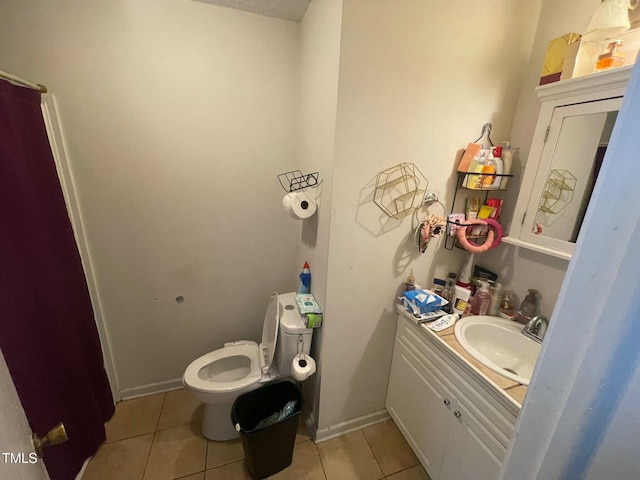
[(151, 388), (324, 434)]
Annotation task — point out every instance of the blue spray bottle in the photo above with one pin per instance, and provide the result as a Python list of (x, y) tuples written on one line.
[(305, 279)]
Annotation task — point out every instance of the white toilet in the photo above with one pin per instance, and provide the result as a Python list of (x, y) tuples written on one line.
[(219, 377)]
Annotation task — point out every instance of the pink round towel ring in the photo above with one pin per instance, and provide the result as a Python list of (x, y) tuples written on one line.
[(494, 236)]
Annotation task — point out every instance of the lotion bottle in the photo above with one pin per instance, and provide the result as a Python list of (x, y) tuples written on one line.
[(507, 161), (481, 300)]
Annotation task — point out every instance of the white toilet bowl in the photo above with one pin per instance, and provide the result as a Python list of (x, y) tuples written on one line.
[(219, 377)]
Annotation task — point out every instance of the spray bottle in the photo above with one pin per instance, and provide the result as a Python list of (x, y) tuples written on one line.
[(305, 279)]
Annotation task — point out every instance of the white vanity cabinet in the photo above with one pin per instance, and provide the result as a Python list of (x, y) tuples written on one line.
[(457, 422), (572, 133)]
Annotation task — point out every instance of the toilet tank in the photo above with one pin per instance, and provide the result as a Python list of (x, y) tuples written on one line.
[(293, 336)]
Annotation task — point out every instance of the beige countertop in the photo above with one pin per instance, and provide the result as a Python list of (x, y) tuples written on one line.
[(515, 390)]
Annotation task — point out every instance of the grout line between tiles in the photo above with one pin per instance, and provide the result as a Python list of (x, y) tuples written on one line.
[(154, 437), (324, 473), (373, 453)]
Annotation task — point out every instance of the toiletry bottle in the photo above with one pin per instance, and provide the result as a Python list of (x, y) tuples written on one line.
[(507, 303), (461, 300), (438, 286), (481, 300), (477, 164), (497, 158), (410, 284), (464, 280), (449, 290), (507, 161), (528, 307), (305, 279), (613, 58), (488, 172), (496, 298)]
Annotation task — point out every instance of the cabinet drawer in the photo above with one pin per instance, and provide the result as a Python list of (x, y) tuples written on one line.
[(477, 394)]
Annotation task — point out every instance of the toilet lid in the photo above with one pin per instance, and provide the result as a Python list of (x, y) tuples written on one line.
[(270, 328)]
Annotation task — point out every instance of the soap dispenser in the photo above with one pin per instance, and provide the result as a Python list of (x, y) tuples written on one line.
[(528, 307), (481, 300)]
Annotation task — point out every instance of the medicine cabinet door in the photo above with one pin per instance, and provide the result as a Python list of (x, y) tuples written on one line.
[(576, 141)]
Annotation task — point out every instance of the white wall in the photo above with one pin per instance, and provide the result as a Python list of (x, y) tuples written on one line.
[(319, 61), (178, 117), (16, 433), (417, 81)]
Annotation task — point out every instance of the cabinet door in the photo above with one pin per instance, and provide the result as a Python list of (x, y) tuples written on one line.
[(471, 450), (577, 138), (420, 406)]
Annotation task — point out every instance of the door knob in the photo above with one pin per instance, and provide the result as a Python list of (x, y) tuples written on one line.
[(55, 436), (447, 402)]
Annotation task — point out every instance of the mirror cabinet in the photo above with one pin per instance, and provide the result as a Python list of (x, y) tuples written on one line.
[(568, 148)]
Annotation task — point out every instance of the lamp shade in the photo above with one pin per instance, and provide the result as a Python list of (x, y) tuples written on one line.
[(611, 18)]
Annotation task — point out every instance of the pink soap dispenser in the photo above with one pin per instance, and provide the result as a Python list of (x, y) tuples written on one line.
[(481, 300)]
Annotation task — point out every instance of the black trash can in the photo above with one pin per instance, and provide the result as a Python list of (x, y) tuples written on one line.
[(267, 450)]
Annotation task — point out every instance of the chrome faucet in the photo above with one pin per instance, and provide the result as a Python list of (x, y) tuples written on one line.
[(536, 328)]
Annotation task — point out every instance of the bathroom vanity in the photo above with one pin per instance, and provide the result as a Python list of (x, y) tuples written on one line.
[(457, 416)]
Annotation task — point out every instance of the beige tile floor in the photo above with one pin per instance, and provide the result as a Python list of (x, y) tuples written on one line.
[(158, 438)]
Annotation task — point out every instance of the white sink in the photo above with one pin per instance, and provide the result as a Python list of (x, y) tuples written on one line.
[(499, 345)]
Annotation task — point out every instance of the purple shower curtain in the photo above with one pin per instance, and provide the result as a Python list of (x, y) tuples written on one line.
[(48, 333)]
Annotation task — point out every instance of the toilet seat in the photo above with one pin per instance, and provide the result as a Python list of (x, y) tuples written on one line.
[(248, 350), (239, 364)]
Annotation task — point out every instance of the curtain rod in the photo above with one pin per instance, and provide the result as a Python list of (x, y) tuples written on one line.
[(16, 80)]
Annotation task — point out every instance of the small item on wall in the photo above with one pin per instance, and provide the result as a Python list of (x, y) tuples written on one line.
[(560, 58), (431, 226), (298, 203), (399, 190)]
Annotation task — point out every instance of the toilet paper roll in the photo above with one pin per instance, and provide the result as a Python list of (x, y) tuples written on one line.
[(299, 205), (302, 367)]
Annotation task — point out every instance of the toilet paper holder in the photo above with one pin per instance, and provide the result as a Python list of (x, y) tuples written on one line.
[(296, 180)]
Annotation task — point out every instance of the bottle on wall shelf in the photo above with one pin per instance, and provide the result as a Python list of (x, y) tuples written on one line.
[(481, 300), (305, 279), (488, 172), (507, 160), (497, 159)]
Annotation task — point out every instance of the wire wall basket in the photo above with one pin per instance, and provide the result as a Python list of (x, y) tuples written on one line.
[(296, 180)]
